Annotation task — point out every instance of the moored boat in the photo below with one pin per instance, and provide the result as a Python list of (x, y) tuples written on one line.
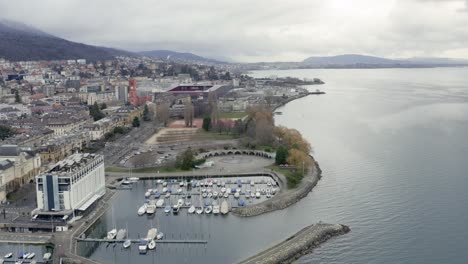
[(127, 243), (199, 210), (215, 209), (111, 234), (191, 210), (160, 203), (167, 209), (152, 232), (160, 236), (142, 246), (152, 245), (9, 255), (142, 209), (121, 234), (208, 209), (224, 207)]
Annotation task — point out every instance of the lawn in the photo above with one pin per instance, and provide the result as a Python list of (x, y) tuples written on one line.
[(235, 115), (294, 178)]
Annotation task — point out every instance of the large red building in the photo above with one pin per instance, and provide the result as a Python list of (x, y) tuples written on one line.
[(133, 96)]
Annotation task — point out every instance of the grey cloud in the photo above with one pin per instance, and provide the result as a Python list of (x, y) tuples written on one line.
[(247, 30)]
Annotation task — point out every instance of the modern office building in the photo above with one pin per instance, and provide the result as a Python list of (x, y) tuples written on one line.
[(70, 187)]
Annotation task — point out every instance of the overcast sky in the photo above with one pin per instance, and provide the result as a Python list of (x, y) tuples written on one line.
[(256, 30)]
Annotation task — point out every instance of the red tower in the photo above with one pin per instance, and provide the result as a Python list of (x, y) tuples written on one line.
[(132, 92)]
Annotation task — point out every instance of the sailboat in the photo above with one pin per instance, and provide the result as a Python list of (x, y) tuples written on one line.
[(224, 207), (9, 255)]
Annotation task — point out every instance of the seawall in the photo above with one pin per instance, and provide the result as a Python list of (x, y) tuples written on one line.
[(286, 197), (299, 244)]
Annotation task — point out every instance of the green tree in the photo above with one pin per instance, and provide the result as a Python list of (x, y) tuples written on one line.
[(17, 97), (206, 123), (119, 130), (103, 106), (95, 112), (146, 116), (136, 122), (185, 160), (6, 132), (281, 155)]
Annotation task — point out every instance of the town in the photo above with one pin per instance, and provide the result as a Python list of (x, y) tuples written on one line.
[(70, 127)]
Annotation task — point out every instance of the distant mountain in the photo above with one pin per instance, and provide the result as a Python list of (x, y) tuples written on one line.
[(438, 61), (179, 56), (350, 59), (22, 42)]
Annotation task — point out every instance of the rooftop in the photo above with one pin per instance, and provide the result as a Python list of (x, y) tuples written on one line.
[(73, 163)]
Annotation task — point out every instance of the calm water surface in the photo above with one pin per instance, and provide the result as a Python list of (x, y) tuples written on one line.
[(393, 147)]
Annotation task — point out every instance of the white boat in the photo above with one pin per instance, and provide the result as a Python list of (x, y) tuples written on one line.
[(208, 209), (252, 195), (257, 194), (167, 195), (223, 190), (181, 184), (215, 209), (133, 179), (152, 232), (9, 255), (147, 194), (203, 190), (226, 195), (268, 195), (152, 245), (252, 183), (142, 209), (160, 236), (210, 195), (111, 234), (204, 195), (150, 191), (126, 182), (121, 234), (236, 195), (215, 194), (151, 208), (269, 183), (47, 256), (191, 210), (164, 184), (31, 255), (159, 181), (25, 255), (223, 184), (179, 190), (167, 209), (127, 243), (224, 207), (164, 190), (187, 203), (199, 210), (160, 203), (175, 209), (228, 190)]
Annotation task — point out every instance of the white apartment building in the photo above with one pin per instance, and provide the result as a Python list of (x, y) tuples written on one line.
[(72, 184)]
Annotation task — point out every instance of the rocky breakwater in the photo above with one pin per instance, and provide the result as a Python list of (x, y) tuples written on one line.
[(301, 243), (286, 197)]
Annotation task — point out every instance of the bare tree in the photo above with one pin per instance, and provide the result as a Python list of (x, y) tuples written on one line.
[(162, 113), (188, 113)]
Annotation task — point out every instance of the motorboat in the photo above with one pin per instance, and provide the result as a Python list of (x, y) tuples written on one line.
[(31, 255), (268, 195), (160, 236), (210, 195), (111, 234), (152, 232), (9, 255), (167, 209), (228, 190), (252, 183), (220, 194), (180, 202), (187, 202), (215, 194), (216, 209), (223, 184), (47, 256), (164, 184), (224, 207), (241, 203), (152, 245), (226, 195), (199, 210), (159, 181), (181, 184), (191, 210), (236, 195), (204, 195), (257, 194), (143, 246), (169, 190), (126, 182), (160, 203), (132, 179), (179, 190), (150, 191), (175, 209), (151, 208), (164, 190), (252, 195), (223, 190), (203, 190), (127, 243), (208, 209), (121, 234), (157, 195), (269, 183), (147, 194)]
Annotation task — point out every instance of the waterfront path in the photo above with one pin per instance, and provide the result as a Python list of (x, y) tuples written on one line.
[(301, 243)]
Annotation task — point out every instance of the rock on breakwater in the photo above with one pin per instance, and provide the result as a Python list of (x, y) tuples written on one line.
[(301, 243)]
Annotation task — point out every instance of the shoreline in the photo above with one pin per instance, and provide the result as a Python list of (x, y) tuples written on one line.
[(301, 243)]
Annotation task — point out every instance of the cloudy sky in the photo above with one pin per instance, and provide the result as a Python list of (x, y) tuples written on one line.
[(256, 30)]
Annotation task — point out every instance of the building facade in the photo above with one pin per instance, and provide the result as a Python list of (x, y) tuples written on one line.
[(72, 184)]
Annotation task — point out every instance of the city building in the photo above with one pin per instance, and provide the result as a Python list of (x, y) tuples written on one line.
[(70, 187), (133, 97)]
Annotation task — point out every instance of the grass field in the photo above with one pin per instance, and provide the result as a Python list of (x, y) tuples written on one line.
[(294, 178)]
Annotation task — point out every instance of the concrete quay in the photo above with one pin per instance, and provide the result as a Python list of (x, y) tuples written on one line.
[(299, 244)]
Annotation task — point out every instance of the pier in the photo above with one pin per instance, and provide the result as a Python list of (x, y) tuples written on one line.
[(103, 240)]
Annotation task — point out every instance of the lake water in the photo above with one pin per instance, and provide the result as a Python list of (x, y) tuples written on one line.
[(393, 147)]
